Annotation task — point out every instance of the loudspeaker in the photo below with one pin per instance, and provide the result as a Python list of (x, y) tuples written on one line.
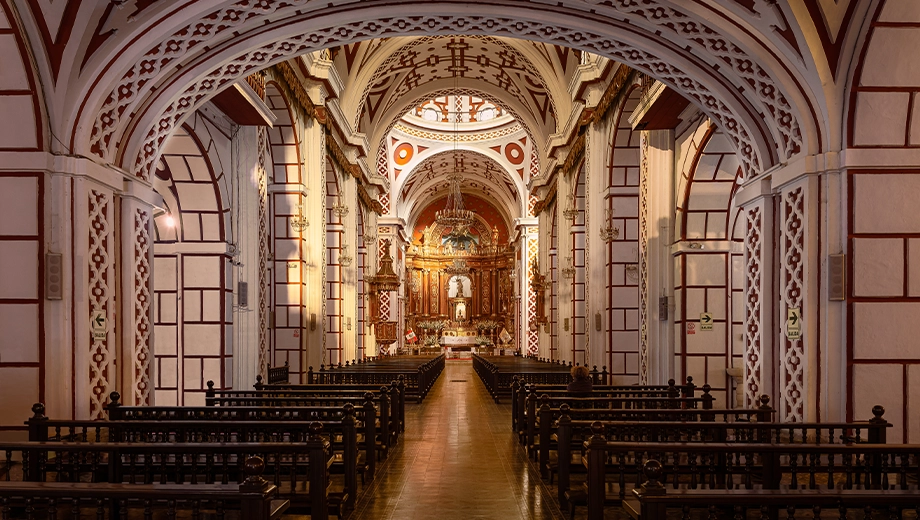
[(597, 321), (54, 276), (242, 294), (663, 308), (836, 278)]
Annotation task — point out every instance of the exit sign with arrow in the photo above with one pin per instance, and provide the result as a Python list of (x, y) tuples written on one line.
[(97, 323), (794, 323), (705, 321)]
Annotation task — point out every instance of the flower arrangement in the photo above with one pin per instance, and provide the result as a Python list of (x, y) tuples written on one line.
[(487, 325), (434, 325), (483, 341), (431, 341)]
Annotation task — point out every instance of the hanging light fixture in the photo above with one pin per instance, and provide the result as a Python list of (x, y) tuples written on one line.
[(454, 215), (345, 259)]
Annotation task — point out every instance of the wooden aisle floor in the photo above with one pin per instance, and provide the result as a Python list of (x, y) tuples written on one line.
[(459, 459)]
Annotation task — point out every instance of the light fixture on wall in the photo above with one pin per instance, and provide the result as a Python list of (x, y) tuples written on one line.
[(569, 270), (695, 245), (570, 212), (610, 233), (344, 258), (340, 210), (299, 222), (370, 237)]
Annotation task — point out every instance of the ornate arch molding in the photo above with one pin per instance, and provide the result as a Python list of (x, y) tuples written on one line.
[(423, 185), (512, 109), (744, 97), (398, 54)]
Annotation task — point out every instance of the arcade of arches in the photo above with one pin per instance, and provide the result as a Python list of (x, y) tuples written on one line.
[(725, 189)]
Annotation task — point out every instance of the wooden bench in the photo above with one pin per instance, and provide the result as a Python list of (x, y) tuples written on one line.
[(727, 466), (520, 392), (571, 435), (395, 392), (418, 372), (253, 499), (654, 501), (351, 455), (539, 423), (299, 471), (499, 373)]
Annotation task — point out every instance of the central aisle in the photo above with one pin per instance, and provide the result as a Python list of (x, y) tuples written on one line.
[(458, 460)]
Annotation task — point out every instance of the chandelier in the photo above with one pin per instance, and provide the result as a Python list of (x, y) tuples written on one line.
[(454, 216)]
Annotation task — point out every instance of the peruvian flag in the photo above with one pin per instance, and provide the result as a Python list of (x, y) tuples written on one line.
[(411, 337)]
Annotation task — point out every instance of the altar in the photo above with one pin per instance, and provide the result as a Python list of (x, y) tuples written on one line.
[(458, 340)]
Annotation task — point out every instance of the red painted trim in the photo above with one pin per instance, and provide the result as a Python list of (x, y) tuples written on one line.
[(860, 61), (30, 74), (832, 44)]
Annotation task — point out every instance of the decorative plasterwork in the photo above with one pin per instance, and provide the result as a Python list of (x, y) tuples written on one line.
[(482, 59), (264, 273), (100, 356), (643, 261), (482, 176), (698, 37), (753, 327), (462, 137), (142, 308), (792, 287)]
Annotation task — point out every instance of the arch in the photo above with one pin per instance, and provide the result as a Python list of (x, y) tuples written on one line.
[(769, 123), (425, 181), (709, 265), (191, 292), (21, 99), (287, 245), (622, 290), (333, 346)]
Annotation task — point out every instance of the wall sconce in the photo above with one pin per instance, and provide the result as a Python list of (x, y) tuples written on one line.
[(299, 222), (344, 258), (632, 271), (569, 270), (610, 233), (339, 209), (696, 245), (570, 212)]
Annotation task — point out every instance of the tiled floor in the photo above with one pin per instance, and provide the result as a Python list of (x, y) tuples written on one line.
[(458, 459)]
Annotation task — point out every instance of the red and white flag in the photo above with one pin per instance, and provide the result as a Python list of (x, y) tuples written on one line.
[(411, 337)]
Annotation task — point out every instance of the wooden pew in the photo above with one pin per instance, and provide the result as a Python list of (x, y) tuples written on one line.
[(540, 422), (759, 428), (520, 392), (419, 374), (396, 395), (299, 471), (653, 500), (341, 430), (748, 466), (498, 373), (254, 498)]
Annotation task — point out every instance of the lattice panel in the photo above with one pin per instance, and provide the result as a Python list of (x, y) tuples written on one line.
[(142, 298), (533, 336), (643, 264), (100, 240), (554, 284), (385, 297), (792, 286), (264, 275), (361, 261), (579, 303), (753, 328)]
